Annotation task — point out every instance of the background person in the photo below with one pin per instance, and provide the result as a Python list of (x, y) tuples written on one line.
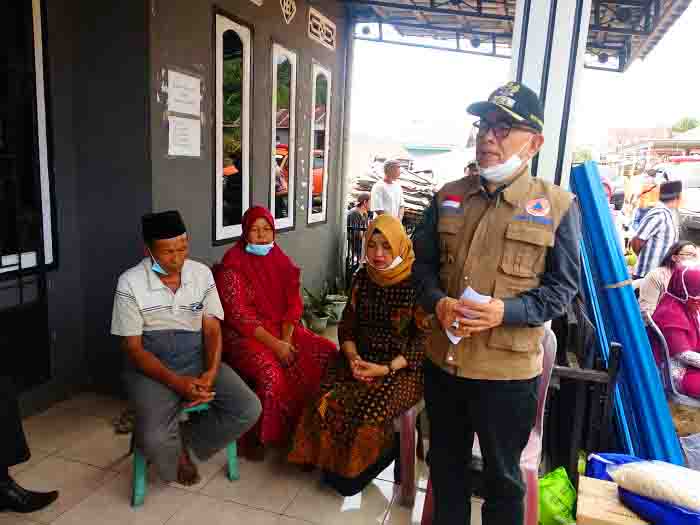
[(514, 238), (167, 312), (387, 195), (677, 317), (348, 431), (658, 230), (654, 284), (13, 451), (263, 337), (358, 215)]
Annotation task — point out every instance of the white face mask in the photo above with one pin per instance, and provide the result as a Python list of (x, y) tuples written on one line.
[(691, 263), (501, 173), (398, 260)]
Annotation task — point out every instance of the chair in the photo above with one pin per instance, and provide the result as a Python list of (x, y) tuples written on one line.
[(530, 459), (405, 468), (138, 486), (672, 393)]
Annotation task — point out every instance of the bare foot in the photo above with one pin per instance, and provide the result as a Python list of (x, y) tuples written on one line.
[(187, 473)]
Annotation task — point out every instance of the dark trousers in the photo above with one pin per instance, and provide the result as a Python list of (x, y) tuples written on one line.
[(501, 414), (13, 445)]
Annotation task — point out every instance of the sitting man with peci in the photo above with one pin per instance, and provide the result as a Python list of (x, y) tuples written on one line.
[(168, 313)]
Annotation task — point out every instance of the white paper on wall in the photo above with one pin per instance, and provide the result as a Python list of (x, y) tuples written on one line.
[(184, 93), (184, 136)]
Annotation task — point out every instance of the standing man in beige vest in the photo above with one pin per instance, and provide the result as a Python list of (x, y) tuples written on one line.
[(513, 239)]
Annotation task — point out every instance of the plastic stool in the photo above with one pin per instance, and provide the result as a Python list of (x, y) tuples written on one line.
[(138, 486)]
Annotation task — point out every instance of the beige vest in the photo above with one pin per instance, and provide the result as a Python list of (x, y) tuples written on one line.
[(498, 247)]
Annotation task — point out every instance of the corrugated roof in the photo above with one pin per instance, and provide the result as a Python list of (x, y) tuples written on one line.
[(619, 32)]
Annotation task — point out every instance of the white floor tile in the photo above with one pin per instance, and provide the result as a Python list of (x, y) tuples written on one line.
[(218, 512), (97, 405), (37, 457), (270, 485), (111, 505), (399, 515), (7, 518), (75, 481), (58, 429), (286, 520), (102, 448), (322, 505)]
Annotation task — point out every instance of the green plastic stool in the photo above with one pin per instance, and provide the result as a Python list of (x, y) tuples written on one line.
[(138, 486)]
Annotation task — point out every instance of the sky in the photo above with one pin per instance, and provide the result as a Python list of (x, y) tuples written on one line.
[(410, 94)]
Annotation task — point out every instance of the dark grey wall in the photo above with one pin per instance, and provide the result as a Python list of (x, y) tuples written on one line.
[(65, 301), (181, 37), (112, 151)]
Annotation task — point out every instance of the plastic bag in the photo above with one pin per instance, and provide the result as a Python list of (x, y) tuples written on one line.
[(656, 512), (597, 466), (691, 447), (660, 481), (556, 498)]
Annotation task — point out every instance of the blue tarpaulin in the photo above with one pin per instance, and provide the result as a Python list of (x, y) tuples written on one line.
[(646, 412)]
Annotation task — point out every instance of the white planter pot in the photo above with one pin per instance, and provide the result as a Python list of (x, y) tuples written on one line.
[(338, 304), (319, 324)]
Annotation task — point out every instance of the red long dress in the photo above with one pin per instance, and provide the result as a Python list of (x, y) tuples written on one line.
[(265, 291)]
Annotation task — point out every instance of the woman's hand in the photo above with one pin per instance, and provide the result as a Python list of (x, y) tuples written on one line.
[(285, 352), (368, 372)]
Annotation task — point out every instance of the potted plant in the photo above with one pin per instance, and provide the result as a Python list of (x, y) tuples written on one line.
[(337, 301), (317, 311)]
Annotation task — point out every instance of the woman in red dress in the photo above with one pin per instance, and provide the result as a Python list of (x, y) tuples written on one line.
[(263, 338)]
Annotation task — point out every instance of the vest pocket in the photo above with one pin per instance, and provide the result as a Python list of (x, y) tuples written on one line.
[(516, 338), (524, 250), (448, 230)]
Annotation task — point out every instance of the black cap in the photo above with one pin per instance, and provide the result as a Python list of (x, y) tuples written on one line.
[(163, 225), (517, 101), (670, 190)]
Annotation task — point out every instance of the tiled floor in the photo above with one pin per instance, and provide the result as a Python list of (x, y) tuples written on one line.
[(75, 450)]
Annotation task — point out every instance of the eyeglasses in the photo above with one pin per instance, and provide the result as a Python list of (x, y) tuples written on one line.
[(501, 129), (688, 255)]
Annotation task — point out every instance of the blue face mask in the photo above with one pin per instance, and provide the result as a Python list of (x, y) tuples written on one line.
[(259, 249), (155, 265)]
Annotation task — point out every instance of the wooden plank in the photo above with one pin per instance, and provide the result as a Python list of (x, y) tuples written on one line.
[(598, 504)]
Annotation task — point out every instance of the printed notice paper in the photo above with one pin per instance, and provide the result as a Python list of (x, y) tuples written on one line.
[(184, 95), (184, 136)]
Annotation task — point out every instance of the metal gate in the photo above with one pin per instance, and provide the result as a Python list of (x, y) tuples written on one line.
[(24, 338)]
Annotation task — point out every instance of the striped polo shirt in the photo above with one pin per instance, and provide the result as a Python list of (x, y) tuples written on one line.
[(142, 303), (659, 230)]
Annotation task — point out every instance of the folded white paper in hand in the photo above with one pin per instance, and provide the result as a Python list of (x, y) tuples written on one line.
[(471, 295)]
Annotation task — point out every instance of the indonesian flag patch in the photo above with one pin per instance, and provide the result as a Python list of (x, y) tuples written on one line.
[(452, 201), (538, 207)]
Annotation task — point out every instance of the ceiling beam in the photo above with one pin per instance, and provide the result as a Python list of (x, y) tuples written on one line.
[(427, 9), (619, 30)]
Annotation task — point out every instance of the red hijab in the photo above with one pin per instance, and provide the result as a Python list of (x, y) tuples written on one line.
[(272, 276), (678, 306)]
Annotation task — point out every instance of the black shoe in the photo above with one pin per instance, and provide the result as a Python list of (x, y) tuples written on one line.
[(17, 499)]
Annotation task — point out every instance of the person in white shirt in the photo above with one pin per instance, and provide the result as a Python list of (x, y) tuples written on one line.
[(387, 195), (168, 313)]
